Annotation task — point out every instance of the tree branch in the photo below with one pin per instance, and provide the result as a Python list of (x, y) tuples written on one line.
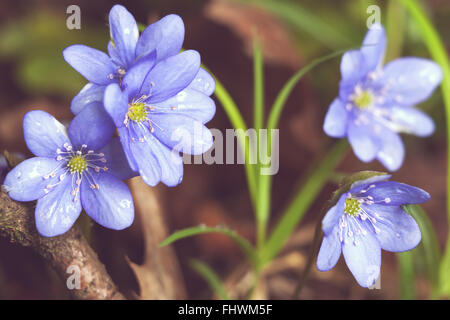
[(70, 249)]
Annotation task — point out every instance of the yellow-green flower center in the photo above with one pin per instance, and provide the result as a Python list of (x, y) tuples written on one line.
[(352, 207), (137, 112), (77, 164), (363, 100)]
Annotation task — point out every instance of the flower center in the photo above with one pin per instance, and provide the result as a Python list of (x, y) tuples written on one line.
[(363, 100), (77, 164), (352, 207), (137, 112)]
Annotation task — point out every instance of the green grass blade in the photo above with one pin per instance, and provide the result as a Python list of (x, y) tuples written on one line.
[(395, 27), (265, 182), (303, 200), (258, 114), (439, 54), (238, 122), (407, 288), (280, 101), (246, 247), (305, 20), (211, 278), (258, 85), (430, 254), (444, 273)]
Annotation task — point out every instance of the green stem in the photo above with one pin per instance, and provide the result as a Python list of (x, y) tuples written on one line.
[(439, 53), (265, 181), (407, 287), (238, 122), (210, 277), (395, 27), (258, 85), (303, 200), (258, 114), (280, 100)]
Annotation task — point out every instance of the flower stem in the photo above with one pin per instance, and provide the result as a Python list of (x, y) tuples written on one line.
[(407, 290), (302, 201), (238, 123), (439, 54)]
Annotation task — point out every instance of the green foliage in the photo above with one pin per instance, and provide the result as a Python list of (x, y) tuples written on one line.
[(428, 252), (202, 229), (211, 278), (302, 201), (303, 19), (439, 54), (35, 43), (407, 288)]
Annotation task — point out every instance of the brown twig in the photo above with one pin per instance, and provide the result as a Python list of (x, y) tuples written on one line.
[(70, 249)]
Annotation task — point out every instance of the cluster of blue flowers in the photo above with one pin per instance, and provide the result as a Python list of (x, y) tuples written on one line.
[(375, 104), (156, 98), (158, 101)]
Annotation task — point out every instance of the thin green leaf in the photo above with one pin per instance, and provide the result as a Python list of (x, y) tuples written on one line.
[(211, 278), (265, 181), (444, 273), (193, 231), (431, 253), (238, 123), (258, 85), (439, 54), (258, 114), (395, 26), (407, 288), (280, 101), (303, 200), (305, 20)]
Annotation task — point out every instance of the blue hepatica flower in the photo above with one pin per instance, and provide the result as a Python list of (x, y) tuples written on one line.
[(73, 169), (376, 102), (126, 48), (158, 98), (159, 110), (368, 218)]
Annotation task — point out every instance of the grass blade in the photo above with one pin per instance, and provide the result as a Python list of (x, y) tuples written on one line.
[(305, 20), (439, 54), (210, 277), (303, 200), (430, 253), (193, 231), (265, 182), (280, 101), (238, 124), (407, 288), (258, 85)]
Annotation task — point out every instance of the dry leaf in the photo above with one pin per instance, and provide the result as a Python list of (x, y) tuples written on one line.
[(244, 20), (159, 277)]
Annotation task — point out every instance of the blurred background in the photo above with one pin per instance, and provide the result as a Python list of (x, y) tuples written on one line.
[(35, 76)]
